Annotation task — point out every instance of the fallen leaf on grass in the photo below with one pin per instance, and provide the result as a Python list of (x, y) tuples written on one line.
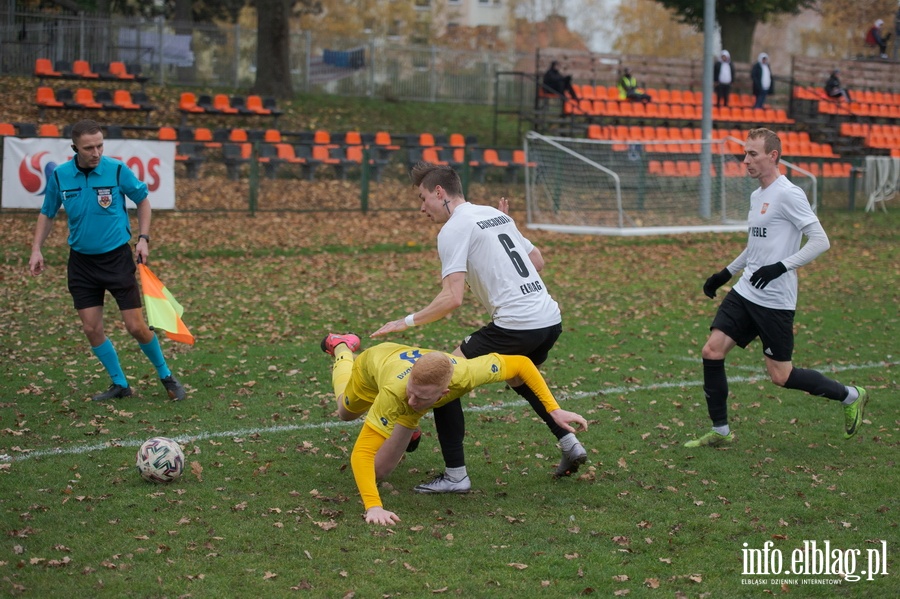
[(517, 566)]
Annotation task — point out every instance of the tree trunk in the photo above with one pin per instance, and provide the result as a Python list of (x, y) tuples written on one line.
[(273, 65), (737, 35)]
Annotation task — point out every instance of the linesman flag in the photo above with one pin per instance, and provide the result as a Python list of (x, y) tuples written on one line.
[(163, 311)]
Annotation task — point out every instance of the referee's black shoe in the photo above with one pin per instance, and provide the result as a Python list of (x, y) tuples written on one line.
[(173, 388), (114, 392)]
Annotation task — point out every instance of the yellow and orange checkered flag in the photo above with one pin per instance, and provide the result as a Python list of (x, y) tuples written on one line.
[(163, 311)]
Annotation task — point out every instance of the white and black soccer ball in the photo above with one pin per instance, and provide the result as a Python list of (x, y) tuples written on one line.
[(160, 460)]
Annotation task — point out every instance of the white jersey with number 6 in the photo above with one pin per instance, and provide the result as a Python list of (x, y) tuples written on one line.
[(485, 243)]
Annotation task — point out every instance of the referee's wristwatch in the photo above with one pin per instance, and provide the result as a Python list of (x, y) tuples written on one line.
[(147, 237)]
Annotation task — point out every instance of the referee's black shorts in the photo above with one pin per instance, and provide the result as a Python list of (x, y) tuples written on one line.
[(92, 275)]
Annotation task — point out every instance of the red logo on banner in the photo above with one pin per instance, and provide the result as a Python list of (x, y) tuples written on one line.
[(32, 177)]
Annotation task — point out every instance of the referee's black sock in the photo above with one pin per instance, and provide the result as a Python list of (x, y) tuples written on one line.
[(815, 383), (715, 387)]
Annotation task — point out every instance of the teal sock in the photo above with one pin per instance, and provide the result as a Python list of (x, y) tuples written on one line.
[(153, 351), (107, 355)]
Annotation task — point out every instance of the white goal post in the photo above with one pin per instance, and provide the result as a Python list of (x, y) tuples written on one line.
[(626, 188)]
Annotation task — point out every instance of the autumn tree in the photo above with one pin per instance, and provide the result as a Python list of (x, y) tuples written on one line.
[(645, 27), (737, 19), (844, 25)]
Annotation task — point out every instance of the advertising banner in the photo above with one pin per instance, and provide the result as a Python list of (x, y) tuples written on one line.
[(27, 163)]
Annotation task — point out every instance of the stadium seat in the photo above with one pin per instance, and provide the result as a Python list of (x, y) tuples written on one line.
[(122, 99), (204, 136), (255, 105), (118, 70), (205, 102), (166, 133), (457, 140), (433, 156), (272, 136), (44, 68), (105, 97), (191, 155), (82, 68), (142, 99), (323, 138), (188, 103), (240, 104), (350, 138), (269, 104), (64, 67), (234, 156), (222, 103), (46, 98), (48, 130), (7, 130), (238, 135)]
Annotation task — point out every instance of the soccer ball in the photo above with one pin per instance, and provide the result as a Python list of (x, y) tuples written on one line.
[(160, 460)]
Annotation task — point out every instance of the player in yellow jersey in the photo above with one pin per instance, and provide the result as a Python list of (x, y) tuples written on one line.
[(395, 385)]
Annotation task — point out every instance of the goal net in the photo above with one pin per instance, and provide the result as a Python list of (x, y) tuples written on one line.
[(640, 188)]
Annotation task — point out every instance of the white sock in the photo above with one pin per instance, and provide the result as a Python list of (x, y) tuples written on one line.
[(456, 474), (568, 442), (852, 395), (722, 430)]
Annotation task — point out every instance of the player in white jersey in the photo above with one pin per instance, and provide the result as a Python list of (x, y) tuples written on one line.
[(482, 247), (763, 301)]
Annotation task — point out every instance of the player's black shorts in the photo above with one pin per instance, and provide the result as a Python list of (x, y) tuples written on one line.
[(534, 343), (91, 275), (743, 321)]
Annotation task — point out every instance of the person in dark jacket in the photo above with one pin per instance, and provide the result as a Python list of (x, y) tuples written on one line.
[(834, 89), (556, 82)]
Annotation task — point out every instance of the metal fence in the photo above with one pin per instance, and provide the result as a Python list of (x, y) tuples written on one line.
[(224, 56)]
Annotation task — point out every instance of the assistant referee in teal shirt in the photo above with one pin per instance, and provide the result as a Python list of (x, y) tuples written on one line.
[(93, 188)]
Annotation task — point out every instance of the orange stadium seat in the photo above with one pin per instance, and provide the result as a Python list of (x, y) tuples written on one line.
[(82, 68), (222, 103), (46, 97), (43, 67)]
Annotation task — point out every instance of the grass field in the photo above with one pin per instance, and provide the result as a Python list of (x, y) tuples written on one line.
[(268, 508)]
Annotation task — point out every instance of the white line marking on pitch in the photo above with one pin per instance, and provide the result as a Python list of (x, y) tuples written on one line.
[(79, 449)]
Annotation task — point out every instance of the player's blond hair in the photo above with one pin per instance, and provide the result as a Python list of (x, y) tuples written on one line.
[(434, 368), (771, 141)]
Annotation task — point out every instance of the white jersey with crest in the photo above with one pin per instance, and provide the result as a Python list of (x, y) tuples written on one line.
[(485, 243), (777, 217)]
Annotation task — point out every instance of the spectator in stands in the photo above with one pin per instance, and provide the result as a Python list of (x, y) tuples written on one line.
[(833, 88), (94, 188), (723, 75), (763, 82), (558, 83), (629, 90), (875, 38)]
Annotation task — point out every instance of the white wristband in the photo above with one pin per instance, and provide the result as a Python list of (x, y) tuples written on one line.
[(409, 320)]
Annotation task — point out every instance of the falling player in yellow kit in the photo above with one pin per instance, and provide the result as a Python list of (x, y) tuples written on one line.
[(395, 385)]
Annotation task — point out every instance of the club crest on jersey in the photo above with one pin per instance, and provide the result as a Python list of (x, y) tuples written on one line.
[(765, 207), (104, 197)]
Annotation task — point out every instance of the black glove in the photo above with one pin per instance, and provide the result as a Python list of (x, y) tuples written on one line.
[(716, 281), (766, 274)]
